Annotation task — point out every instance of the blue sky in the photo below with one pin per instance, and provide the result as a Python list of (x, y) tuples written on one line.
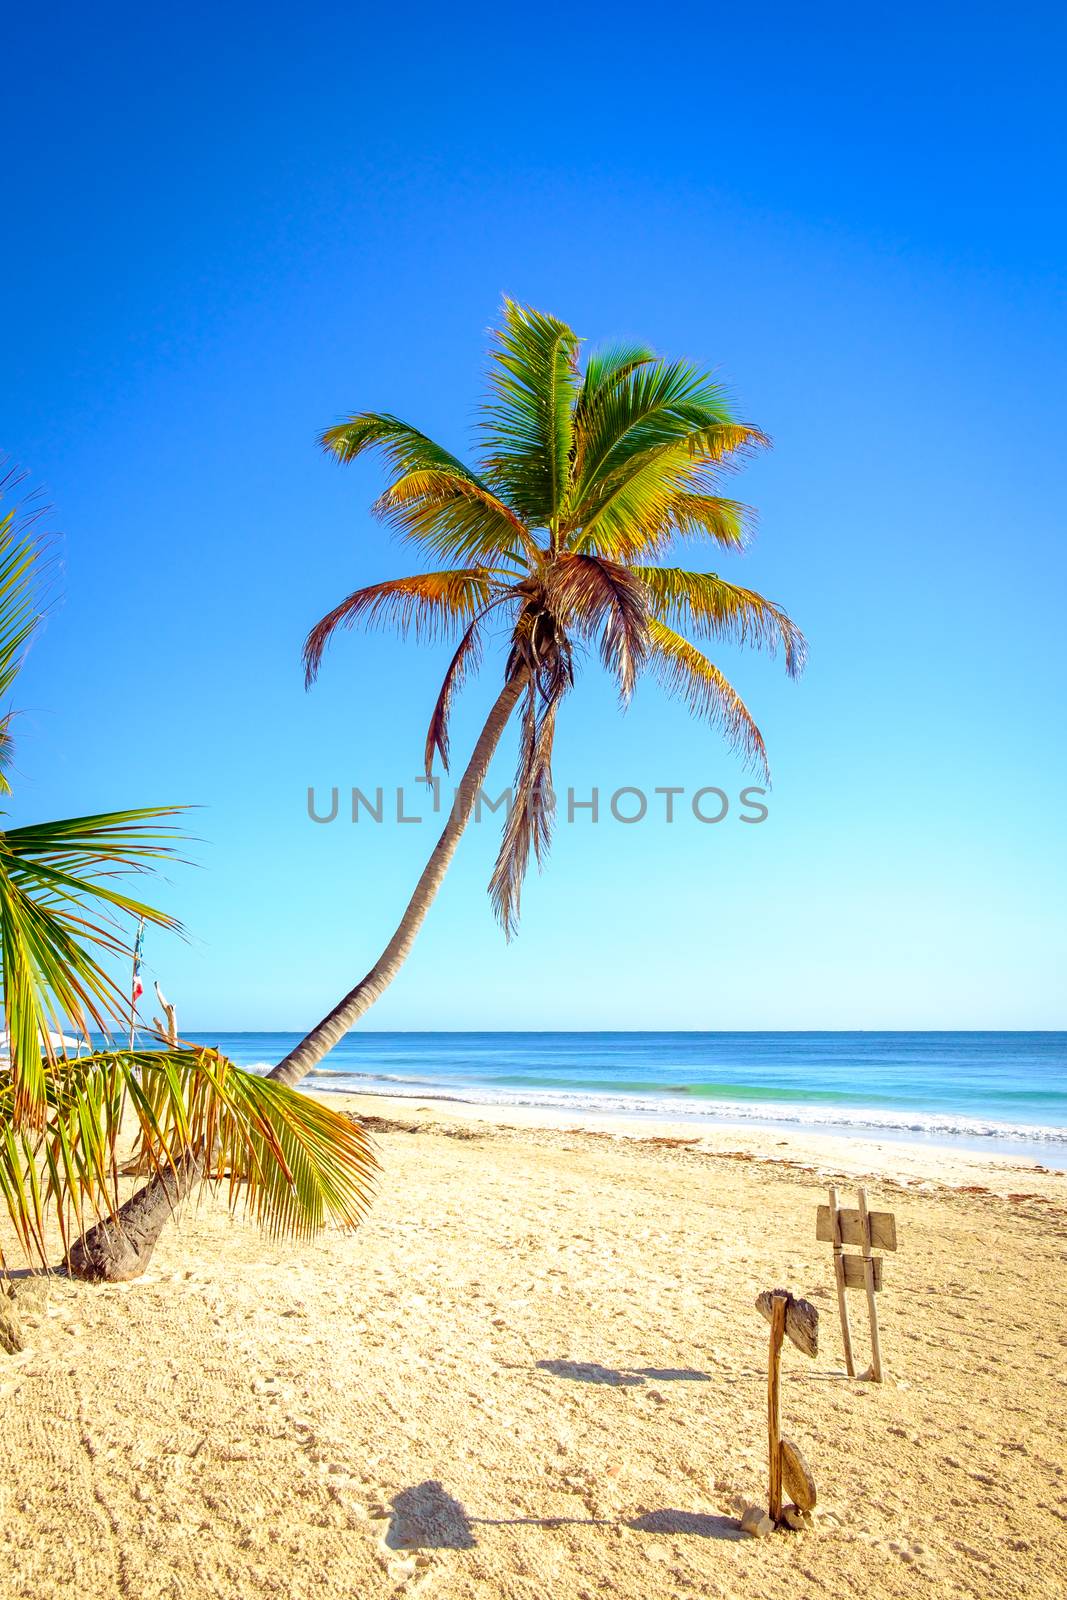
[(229, 226)]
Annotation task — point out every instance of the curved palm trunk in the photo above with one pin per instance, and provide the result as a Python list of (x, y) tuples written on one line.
[(333, 1027), (120, 1247)]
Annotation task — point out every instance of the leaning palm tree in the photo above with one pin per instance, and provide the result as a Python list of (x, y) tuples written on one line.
[(585, 478), (291, 1162)]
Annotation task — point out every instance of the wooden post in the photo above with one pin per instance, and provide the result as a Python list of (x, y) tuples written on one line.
[(774, 1407), (868, 1278), (839, 1276)]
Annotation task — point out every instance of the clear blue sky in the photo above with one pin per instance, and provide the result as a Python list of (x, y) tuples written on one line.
[(228, 226)]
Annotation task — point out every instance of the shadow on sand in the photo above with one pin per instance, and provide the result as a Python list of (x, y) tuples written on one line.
[(626, 1377), (426, 1517)]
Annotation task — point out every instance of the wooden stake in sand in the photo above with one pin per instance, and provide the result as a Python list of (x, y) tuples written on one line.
[(800, 1320), (867, 1229), (869, 1285)]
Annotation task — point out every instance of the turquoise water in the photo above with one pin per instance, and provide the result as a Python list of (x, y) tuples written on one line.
[(990, 1091)]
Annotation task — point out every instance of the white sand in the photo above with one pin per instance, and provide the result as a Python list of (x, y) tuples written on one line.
[(537, 1371)]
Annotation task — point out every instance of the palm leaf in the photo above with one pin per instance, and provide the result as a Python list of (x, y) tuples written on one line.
[(450, 517), (19, 615), (658, 505), (429, 604), (528, 426), (58, 926), (683, 671), (656, 409), (465, 661), (529, 824), (605, 369), (289, 1161), (404, 447), (435, 499), (708, 606), (19, 612), (600, 599)]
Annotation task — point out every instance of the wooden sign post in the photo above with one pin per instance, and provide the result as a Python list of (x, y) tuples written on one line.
[(867, 1229), (800, 1320)]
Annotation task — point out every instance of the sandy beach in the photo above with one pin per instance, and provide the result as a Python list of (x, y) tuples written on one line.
[(537, 1371)]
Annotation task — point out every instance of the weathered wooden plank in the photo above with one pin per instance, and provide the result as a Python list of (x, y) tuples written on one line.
[(856, 1271), (801, 1319), (796, 1475), (883, 1227)]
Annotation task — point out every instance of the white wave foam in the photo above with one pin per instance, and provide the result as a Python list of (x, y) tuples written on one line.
[(889, 1122)]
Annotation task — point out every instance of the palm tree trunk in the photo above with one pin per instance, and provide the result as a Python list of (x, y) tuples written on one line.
[(120, 1247), (333, 1027)]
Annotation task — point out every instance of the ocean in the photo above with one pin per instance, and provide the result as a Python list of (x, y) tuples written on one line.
[(1003, 1092)]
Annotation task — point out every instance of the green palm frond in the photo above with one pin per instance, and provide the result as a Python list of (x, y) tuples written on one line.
[(708, 606), (435, 500), (59, 931), (659, 506), (289, 1161), (452, 518), (666, 409), (404, 448), (685, 672), (648, 500), (60, 911), (20, 613), (632, 416), (605, 369), (693, 515), (528, 425)]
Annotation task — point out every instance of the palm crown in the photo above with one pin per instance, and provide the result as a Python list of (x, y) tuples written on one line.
[(585, 478)]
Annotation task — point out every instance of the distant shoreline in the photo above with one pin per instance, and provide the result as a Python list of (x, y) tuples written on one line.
[(640, 1121), (915, 1163), (995, 1093)]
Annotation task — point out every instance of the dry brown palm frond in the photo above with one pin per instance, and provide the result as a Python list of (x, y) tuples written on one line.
[(466, 660), (529, 824), (601, 599), (428, 604)]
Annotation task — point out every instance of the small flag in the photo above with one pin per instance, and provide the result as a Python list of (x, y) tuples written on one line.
[(138, 987)]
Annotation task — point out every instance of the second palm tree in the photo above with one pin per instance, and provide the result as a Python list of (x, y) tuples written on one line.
[(585, 479)]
